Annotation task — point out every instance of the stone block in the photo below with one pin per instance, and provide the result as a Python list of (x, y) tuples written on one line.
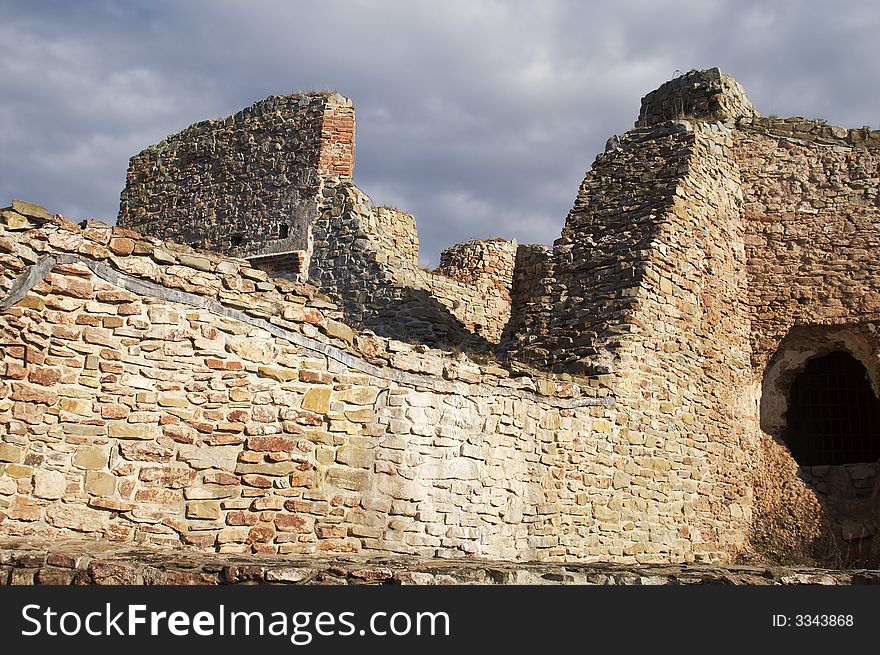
[(450, 469), (14, 221), (18, 471), (10, 453), (338, 330), (280, 373), (121, 246), (348, 478), (301, 523), (50, 485), (79, 518), (271, 444), (134, 431), (317, 400), (75, 406), (359, 395), (203, 509), (100, 483), (355, 457)]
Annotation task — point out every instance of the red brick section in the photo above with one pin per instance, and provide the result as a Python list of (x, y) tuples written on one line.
[(337, 140)]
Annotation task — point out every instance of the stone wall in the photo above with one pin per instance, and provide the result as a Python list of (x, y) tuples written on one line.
[(370, 269), (488, 263), (244, 185), (252, 185), (810, 213), (86, 562), (604, 253), (401, 228), (649, 290), (152, 394), (699, 94), (751, 239), (158, 396), (532, 271)]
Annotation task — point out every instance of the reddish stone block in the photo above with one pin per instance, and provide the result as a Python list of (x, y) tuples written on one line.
[(242, 518), (44, 375), (271, 444)]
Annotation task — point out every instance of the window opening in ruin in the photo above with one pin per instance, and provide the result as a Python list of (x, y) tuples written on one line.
[(284, 231), (833, 415), (237, 239)]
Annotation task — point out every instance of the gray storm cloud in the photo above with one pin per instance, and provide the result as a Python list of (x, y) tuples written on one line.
[(480, 118)]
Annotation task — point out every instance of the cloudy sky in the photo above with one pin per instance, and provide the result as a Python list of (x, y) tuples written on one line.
[(478, 117)]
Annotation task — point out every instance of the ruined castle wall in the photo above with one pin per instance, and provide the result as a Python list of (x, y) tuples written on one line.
[(245, 185), (159, 396), (532, 271), (600, 260), (251, 185), (357, 259), (698, 94), (687, 356), (401, 227), (648, 289), (489, 263), (811, 214)]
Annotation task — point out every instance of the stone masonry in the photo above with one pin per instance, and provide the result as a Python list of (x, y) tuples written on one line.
[(245, 185), (622, 397), (272, 183)]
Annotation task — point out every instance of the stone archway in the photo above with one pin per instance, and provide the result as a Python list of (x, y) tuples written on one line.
[(819, 403)]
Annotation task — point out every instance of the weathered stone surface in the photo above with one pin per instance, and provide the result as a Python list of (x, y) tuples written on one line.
[(317, 399), (203, 509), (10, 453), (134, 431), (49, 484), (271, 444), (100, 484), (30, 209), (91, 457), (191, 400), (338, 330), (294, 523), (77, 518), (214, 457), (278, 373)]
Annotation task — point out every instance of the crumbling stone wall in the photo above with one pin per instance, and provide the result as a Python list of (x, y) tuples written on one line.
[(358, 261), (698, 94), (810, 212), (401, 228), (245, 185), (160, 396), (157, 395), (487, 263), (252, 185), (531, 271), (783, 243)]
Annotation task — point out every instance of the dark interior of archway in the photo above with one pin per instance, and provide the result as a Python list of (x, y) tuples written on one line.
[(833, 416)]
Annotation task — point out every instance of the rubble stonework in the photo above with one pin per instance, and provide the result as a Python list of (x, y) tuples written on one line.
[(154, 395), (245, 185), (357, 259), (88, 562)]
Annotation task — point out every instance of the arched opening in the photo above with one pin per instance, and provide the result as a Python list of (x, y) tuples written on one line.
[(833, 415), (818, 497)]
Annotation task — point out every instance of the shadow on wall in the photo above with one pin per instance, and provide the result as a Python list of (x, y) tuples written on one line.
[(816, 496), (416, 317)]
